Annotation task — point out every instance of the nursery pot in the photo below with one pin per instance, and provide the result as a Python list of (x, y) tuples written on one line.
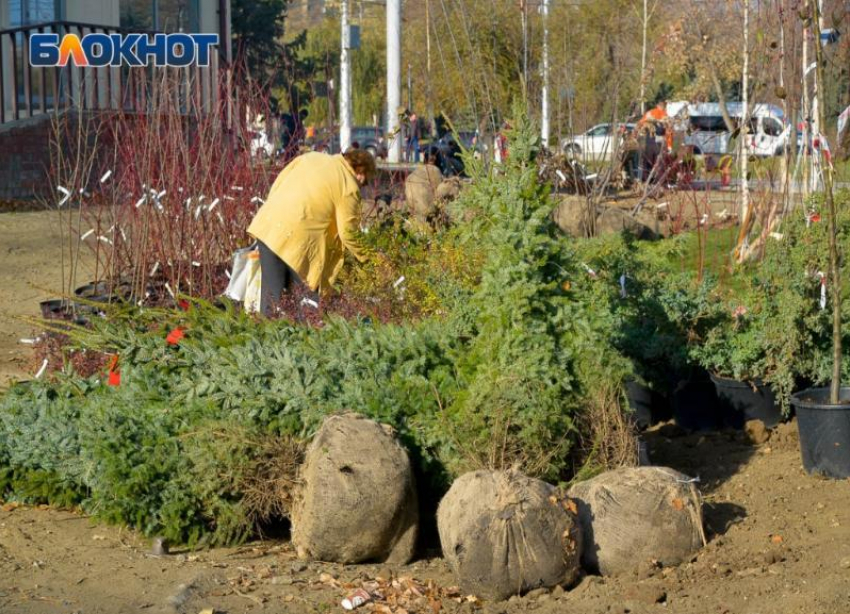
[(824, 431), (742, 401), (640, 401), (103, 292), (54, 309), (695, 404), (647, 404)]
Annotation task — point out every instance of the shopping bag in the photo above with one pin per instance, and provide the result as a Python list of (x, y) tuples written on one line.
[(254, 285), (240, 272)]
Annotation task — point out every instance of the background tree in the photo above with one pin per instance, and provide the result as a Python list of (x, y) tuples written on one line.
[(258, 29)]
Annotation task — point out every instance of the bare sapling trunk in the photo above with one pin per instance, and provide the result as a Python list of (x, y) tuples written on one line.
[(745, 213), (745, 113), (807, 120), (834, 272), (643, 61), (786, 149)]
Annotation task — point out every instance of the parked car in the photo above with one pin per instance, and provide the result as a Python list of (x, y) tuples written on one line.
[(596, 143), (448, 153), (768, 133), (370, 138)]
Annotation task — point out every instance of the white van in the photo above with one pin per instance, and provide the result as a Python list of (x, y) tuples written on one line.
[(768, 133)]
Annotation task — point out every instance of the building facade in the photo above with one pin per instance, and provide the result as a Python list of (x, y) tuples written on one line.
[(31, 96), (27, 91)]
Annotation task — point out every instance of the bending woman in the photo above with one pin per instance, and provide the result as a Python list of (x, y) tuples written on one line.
[(312, 214)]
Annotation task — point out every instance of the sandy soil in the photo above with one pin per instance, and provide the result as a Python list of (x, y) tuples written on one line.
[(31, 259), (779, 540)]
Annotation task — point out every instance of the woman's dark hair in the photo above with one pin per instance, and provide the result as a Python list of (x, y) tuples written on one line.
[(361, 162)]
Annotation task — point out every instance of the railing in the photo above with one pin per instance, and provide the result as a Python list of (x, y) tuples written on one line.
[(26, 91)]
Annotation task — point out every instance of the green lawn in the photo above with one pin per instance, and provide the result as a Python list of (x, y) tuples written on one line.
[(717, 259), (761, 168)]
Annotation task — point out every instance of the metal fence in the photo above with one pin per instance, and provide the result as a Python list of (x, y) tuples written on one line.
[(27, 91)]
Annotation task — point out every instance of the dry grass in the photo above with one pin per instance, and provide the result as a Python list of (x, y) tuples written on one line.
[(269, 482), (609, 437)]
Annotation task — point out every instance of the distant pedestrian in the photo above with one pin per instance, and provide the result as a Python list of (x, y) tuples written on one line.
[(658, 119), (501, 144), (292, 133), (413, 135)]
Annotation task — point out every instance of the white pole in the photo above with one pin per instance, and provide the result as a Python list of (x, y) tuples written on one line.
[(393, 78), (544, 120), (345, 82)]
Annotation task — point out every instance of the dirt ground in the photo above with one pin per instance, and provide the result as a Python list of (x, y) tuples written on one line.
[(779, 540), (779, 543), (31, 259)]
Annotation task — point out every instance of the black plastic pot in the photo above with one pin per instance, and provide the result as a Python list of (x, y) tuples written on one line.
[(742, 401), (640, 401), (93, 293), (824, 432), (695, 406), (649, 407), (55, 309)]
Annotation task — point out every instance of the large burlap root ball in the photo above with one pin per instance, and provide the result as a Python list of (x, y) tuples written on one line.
[(420, 190), (632, 515), (356, 501), (504, 533)]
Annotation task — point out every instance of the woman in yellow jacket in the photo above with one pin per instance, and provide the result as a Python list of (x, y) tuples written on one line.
[(311, 215)]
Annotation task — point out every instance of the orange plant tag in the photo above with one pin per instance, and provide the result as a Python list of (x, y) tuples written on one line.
[(175, 336)]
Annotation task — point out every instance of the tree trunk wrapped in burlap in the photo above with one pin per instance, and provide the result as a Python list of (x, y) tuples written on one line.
[(504, 533), (356, 500), (636, 514)]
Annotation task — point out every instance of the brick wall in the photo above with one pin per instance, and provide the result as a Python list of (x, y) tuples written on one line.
[(24, 158), (25, 150)]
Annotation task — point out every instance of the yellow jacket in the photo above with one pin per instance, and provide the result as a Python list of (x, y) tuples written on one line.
[(311, 214)]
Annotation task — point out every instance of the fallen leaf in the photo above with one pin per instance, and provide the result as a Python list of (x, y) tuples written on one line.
[(777, 539), (207, 611), (678, 504), (571, 505)]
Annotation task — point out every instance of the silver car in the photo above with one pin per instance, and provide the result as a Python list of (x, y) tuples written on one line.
[(595, 144)]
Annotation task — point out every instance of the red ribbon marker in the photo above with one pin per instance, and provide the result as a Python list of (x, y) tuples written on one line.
[(113, 377), (175, 336)]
